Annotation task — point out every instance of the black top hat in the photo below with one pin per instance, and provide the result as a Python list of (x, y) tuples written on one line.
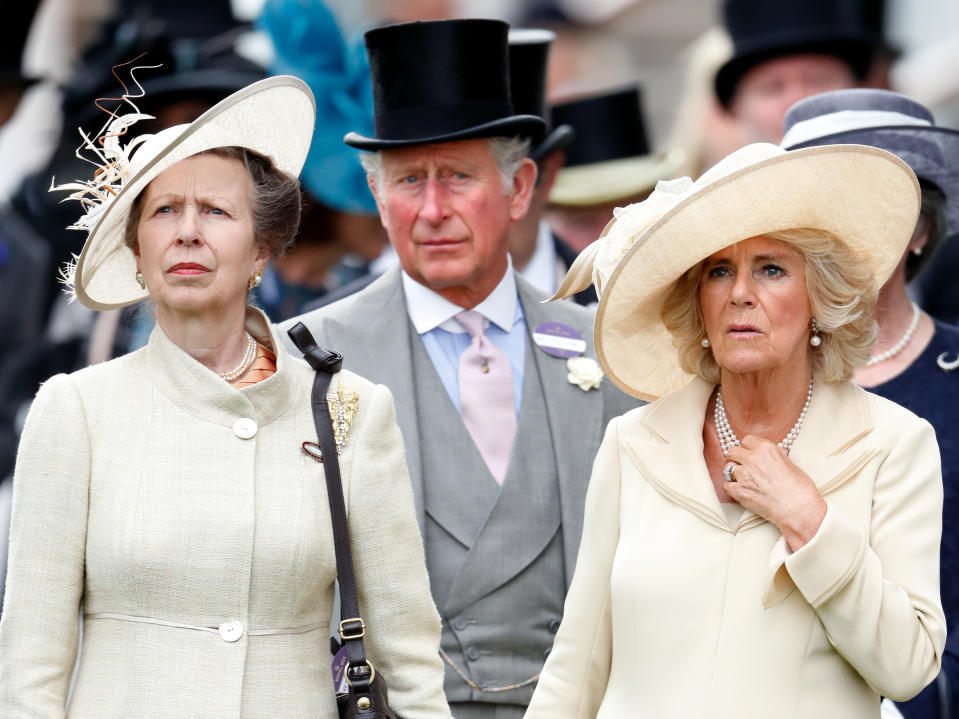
[(762, 30), (528, 52), (209, 70), (608, 126), (611, 158), (17, 19), (172, 68), (441, 81), (184, 18)]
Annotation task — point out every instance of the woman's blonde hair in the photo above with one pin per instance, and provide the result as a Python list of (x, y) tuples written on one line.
[(841, 295)]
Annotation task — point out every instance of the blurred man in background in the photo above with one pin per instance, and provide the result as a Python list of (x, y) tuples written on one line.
[(787, 50), (608, 165)]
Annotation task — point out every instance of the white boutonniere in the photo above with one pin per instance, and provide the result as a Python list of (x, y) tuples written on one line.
[(584, 372)]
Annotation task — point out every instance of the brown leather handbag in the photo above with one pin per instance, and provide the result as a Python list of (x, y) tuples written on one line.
[(366, 694)]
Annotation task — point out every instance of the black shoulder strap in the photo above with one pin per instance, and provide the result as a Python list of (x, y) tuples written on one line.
[(319, 359), (352, 629)]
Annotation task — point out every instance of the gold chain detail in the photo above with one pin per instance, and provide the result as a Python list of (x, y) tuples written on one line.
[(477, 687)]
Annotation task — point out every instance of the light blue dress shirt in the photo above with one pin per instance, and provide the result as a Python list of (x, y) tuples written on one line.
[(445, 340)]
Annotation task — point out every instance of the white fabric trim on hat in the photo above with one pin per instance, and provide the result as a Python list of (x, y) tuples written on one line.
[(530, 36), (844, 121)]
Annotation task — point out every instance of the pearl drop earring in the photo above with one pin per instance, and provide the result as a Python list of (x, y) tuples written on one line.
[(815, 340), (704, 342)]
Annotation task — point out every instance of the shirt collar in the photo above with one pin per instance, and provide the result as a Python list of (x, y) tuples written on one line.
[(429, 310)]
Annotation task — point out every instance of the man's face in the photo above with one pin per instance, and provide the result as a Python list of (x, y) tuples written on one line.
[(447, 214), (767, 90)]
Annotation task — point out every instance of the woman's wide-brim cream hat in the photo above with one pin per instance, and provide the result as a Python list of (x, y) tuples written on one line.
[(273, 117), (866, 197)]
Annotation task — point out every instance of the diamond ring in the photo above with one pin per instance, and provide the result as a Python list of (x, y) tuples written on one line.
[(728, 471)]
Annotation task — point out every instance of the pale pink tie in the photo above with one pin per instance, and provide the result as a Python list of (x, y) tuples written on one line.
[(486, 395)]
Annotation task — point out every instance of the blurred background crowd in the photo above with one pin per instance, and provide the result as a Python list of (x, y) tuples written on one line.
[(635, 80)]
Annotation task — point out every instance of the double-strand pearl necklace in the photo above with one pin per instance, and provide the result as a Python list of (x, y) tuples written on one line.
[(242, 368), (728, 438), (898, 347)]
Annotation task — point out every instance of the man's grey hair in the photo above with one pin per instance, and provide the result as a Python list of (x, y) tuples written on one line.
[(508, 152)]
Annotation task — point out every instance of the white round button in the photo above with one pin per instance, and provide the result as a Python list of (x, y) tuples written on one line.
[(244, 428), (231, 631)]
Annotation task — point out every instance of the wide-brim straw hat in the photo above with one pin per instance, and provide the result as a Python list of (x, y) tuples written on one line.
[(866, 197), (610, 159), (273, 117), (612, 180)]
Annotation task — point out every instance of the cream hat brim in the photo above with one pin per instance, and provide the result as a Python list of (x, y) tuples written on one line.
[(612, 180), (865, 196), (273, 117)]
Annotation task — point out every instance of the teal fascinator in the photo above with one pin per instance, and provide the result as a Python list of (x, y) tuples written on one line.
[(308, 43)]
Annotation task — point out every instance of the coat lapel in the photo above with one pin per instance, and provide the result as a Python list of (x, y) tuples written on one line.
[(673, 463), (380, 335), (575, 420), (827, 449), (673, 460)]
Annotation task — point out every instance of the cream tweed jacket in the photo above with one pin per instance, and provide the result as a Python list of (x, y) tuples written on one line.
[(137, 496), (674, 613)]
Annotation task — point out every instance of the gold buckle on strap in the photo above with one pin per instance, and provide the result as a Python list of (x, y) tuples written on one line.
[(372, 673), (350, 625)]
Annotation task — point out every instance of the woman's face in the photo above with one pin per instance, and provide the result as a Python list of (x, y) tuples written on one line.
[(755, 305), (196, 244)]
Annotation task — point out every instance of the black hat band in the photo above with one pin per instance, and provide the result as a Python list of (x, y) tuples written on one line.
[(437, 120)]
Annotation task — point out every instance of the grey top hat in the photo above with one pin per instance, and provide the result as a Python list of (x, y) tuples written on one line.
[(883, 119)]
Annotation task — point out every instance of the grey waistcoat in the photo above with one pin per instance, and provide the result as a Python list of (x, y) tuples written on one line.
[(495, 555)]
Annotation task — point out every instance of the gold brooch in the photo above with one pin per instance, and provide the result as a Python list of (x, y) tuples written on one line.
[(343, 403)]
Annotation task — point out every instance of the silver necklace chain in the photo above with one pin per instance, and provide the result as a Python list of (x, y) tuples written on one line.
[(728, 438), (898, 347), (242, 368)]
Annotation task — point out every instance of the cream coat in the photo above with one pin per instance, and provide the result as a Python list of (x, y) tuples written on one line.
[(675, 613), (133, 495)]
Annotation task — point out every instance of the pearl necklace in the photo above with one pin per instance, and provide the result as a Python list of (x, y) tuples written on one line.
[(728, 438), (898, 347), (242, 368)]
